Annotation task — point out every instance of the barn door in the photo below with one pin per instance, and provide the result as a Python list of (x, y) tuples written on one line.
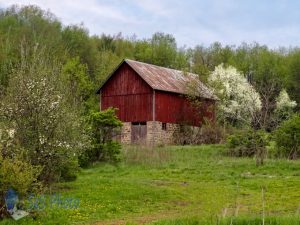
[(138, 132)]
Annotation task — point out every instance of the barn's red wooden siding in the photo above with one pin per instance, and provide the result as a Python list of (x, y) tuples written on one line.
[(130, 94), (176, 108)]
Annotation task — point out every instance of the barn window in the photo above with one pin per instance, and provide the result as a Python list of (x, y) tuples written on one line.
[(164, 126)]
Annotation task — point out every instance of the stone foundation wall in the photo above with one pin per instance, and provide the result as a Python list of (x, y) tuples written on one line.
[(155, 134), (126, 133)]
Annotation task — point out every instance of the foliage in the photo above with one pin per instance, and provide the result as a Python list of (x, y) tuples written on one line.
[(18, 174), (248, 143), (30, 25), (283, 101), (163, 49), (287, 138), (208, 133), (293, 76), (80, 87), (44, 123), (239, 102), (284, 106), (104, 127), (269, 71), (266, 70)]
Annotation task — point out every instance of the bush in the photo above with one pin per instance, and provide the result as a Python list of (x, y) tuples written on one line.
[(287, 138), (104, 127), (248, 143), (209, 133), (17, 174), (37, 108)]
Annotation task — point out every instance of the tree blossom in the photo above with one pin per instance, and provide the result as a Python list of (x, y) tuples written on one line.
[(239, 101), (45, 124), (283, 101)]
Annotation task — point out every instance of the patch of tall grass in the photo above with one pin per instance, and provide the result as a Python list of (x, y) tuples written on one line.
[(290, 220), (145, 155)]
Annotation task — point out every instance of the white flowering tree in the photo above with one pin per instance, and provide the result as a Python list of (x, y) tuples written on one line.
[(45, 125), (239, 101), (284, 106)]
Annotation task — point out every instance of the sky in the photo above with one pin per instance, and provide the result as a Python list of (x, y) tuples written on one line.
[(271, 22)]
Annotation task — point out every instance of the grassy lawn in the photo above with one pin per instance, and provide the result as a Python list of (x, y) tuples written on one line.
[(180, 185)]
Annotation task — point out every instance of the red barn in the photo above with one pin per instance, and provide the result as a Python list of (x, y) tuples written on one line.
[(153, 101)]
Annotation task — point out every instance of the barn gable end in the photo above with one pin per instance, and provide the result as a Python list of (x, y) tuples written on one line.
[(129, 93)]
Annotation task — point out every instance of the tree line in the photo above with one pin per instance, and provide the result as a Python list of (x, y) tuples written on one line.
[(49, 113), (94, 57)]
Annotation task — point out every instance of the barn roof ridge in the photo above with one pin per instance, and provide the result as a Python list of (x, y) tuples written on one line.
[(165, 79), (150, 64)]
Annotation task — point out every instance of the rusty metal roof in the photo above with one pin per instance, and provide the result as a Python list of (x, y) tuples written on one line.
[(170, 80)]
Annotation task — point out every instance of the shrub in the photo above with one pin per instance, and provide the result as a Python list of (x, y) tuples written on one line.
[(104, 128), (37, 108), (17, 174), (248, 143), (287, 138), (209, 133)]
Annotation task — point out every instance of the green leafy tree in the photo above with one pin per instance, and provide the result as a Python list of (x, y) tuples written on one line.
[(78, 44), (164, 49), (143, 51), (293, 78), (287, 138), (38, 111), (104, 127), (79, 84), (29, 25)]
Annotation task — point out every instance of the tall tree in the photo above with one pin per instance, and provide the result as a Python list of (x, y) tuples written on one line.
[(164, 49), (45, 124), (293, 79)]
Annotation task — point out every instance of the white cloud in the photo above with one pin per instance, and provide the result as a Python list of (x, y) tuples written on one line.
[(191, 22)]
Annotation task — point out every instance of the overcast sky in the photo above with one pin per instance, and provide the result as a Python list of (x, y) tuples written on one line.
[(271, 22)]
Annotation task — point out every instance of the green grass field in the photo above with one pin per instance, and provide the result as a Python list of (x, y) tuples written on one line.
[(180, 185)]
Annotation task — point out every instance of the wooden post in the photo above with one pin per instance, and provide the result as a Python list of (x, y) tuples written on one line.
[(153, 117)]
